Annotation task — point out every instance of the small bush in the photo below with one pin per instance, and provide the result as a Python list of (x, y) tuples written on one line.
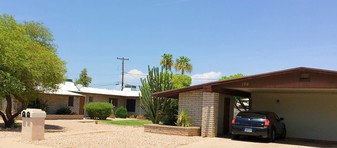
[(132, 116), (121, 112), (141, 117), (64, 111), (184, 119), (112, 116), (100, 110), (38, 103)]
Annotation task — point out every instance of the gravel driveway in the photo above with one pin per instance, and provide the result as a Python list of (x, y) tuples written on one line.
[(85, 133)]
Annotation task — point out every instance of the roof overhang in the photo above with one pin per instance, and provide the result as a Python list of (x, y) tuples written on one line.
[(284, 80)]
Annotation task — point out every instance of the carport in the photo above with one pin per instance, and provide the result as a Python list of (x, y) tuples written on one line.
[(305, 97)]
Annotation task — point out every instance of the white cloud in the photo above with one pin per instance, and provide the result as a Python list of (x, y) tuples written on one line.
[(133, 76), (205, 77)]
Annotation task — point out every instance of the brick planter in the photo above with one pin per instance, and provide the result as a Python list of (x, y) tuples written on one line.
[(172, 130), (54, 117)]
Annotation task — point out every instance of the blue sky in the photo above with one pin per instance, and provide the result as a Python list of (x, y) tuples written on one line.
[(220, 37)]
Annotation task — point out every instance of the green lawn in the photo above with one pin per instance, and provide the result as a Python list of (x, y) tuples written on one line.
[(127, 122)]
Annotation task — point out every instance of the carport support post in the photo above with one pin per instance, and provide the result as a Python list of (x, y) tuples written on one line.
[(210, 105)]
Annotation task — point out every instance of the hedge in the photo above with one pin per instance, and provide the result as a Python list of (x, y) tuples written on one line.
[(121, 112), (100, 110)]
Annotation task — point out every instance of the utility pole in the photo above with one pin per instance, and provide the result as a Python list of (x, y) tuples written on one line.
[(123, 59)]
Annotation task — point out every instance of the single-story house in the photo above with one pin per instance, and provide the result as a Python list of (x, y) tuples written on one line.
[(75, 97), (305, 97)]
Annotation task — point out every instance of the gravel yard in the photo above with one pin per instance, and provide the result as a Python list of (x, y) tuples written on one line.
[(85, 133)]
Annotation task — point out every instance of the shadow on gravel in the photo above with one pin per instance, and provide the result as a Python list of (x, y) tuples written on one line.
[(48, 128), (53, 128), (287, 141)]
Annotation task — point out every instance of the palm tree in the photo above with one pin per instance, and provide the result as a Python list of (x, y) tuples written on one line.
[(166, 61), (183, 64)]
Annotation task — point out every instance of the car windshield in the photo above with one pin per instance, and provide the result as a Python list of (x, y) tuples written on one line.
[(250, 115)]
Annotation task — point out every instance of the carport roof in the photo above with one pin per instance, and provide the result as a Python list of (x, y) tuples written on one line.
[(301, 77)]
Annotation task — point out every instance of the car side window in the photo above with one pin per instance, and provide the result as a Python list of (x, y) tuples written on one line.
[(276, 117), (270, 117)]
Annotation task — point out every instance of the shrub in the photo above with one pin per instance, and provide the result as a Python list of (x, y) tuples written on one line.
[(37, 103), (170, 114), (112, 116), (121, 112), (64, 111), (141, 117), (132, 116), (100, 110), (184, 119)]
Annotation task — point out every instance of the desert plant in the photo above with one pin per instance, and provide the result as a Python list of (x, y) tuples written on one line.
[(156, 81), (121, 112), (100, 110), (64, 111), (38, 103), (141, 117), (184, 119), (171, 112)]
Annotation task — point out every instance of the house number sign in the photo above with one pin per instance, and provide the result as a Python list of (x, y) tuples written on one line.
[(245, 83)]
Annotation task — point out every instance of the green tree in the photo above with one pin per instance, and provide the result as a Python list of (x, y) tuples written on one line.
[(183, 64), (180, 81), (239, 75), (29, 64), (156, 81), (167, 61), (84, 79), (237, 98)]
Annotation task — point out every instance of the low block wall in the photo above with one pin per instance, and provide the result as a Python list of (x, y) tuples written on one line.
[(172, 130), (54, 117)]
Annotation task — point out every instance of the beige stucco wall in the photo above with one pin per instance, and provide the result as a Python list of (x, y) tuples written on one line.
[(121, 102), (191, 102), (97, 98), (309, 115), (56, 102)]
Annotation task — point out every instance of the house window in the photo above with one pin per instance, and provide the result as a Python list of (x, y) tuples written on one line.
[(91, 99), (114, 101), (131, 105), (71, 101)]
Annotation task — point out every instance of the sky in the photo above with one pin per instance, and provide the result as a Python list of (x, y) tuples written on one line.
[(221, 37)]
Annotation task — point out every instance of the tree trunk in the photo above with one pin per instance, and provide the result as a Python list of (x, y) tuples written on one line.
[(9, 119)]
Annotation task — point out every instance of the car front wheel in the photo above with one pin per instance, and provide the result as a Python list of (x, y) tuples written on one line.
[(272, 135), (284, 133)]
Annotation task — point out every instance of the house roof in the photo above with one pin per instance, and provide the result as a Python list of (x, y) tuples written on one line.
[(71, 89), (238, 82), (64, 92), (124, 93)]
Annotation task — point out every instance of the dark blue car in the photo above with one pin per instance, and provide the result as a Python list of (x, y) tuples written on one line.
[(258, 123)]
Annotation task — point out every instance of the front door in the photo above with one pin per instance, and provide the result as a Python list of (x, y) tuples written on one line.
[(82, 100), (226, 118)]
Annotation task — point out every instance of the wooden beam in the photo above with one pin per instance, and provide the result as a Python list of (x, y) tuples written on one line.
[(232, 92)]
